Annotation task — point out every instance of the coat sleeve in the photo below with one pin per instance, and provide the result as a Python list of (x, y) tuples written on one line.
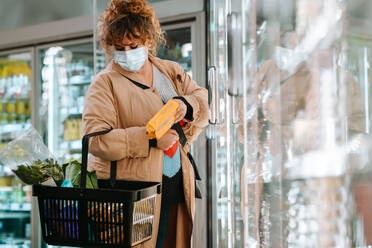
[(197, 97), (100, 113)]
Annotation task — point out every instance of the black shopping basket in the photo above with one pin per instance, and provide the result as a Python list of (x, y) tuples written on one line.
[(118, 214)]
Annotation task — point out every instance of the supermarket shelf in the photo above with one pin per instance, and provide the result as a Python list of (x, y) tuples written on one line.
[(74, 151), (14, 243), (78, 115), (7, 99), (71, 145), (80, 79), (78, 84), (13, 127), (15, 207), (14, 215)]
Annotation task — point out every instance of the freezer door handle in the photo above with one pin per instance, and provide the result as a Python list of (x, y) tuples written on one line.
[(235, 54), (213, 96), (235, 62)]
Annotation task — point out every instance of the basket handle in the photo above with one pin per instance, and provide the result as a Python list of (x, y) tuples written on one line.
[(84, 160)]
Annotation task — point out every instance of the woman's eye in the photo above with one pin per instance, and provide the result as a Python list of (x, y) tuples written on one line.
[(134, 47), (119, 48)]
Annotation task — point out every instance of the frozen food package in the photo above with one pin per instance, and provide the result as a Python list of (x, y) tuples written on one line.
[(163, 120)]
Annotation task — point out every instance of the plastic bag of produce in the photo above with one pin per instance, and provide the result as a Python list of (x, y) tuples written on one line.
[(29, 158), (26, 148)]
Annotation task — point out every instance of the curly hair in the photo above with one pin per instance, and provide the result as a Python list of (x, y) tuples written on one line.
[(129, 18)]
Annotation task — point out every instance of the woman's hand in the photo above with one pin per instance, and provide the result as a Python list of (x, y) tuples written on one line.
[(181, 111), (168, 139)]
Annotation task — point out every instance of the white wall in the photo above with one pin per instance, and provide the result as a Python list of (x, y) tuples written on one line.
[(177, 7)]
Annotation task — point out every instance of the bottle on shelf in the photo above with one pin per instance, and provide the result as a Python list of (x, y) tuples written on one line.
[(15, 91), (18, 193)]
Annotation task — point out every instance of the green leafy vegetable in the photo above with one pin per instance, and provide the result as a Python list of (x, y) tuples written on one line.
[(52, 168), (31, 174), (39, 171), (92, 182), (73, 173)]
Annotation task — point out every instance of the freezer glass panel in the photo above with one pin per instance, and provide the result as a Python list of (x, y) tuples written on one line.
[(65, 72), (178, 47), (359, 59), (220, 134), (15, 116), (290, 111)]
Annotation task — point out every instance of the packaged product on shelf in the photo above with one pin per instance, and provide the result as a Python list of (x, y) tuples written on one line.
[(28, 107), (72, 128), (20, 107), (67, 130), (15, 87), (28, 193), (11, 106), (3, 114), (17, 193), (74, 132)]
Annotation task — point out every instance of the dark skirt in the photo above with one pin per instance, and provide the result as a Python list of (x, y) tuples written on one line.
[(172, 194)]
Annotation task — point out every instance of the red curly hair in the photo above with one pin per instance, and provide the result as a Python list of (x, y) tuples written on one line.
[(132, 18)]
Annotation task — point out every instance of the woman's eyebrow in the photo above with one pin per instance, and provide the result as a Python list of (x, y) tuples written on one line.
[(129, 44)]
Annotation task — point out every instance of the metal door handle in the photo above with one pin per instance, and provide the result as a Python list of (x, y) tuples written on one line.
[(235, 53), (213, 98), (235, 62)]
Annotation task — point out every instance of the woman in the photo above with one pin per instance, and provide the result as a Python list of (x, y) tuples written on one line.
[(124, 97)]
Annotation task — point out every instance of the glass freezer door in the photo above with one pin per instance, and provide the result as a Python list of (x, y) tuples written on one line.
[(15, 116), (290, 145), (178, 47), (65, 73)]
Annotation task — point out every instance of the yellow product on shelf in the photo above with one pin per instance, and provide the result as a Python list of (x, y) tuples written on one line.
[(163, 120), (20, 107), (75, 130), (11, 107), (3, 144), (72, 128), (6, 181), (67, 130), (28, 107), (79, 129)]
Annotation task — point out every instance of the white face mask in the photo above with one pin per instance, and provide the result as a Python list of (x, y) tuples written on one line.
[(131, 60)]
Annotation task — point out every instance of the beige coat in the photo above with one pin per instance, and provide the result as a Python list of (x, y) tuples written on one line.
[(112, 101)]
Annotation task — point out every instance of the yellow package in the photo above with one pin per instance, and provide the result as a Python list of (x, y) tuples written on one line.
[(163, 120)]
